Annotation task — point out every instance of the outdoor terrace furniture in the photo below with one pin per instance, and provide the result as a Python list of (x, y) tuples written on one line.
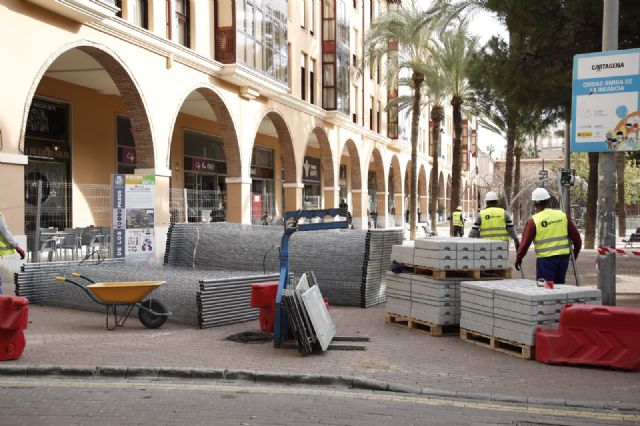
[(633, 238)]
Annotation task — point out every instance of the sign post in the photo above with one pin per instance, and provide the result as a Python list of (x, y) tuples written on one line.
[(134, 217)]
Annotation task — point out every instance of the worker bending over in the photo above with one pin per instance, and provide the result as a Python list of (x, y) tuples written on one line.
[(552, 232), (494, 223)]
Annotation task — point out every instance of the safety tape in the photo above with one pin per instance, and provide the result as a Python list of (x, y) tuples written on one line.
[(603, 250)]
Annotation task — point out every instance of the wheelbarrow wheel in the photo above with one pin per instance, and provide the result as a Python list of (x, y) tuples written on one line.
[(151, 320)]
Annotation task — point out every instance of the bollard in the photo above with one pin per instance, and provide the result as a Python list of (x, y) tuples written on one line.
[(607, 278)]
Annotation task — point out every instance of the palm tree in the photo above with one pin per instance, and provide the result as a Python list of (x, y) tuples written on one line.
[(403, 34), (454, 56)]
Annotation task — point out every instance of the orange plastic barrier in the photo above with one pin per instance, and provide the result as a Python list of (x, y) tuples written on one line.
[(14, 316), (593, 335)]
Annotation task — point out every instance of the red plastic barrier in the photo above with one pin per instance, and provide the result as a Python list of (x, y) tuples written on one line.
[(263, 296), (14, 317), (593, 335)]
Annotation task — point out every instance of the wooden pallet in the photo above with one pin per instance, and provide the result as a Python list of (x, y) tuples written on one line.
[(455, 274), (497, 344), (420, 326)]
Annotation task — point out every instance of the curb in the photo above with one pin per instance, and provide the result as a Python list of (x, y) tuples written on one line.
[(266, 377)]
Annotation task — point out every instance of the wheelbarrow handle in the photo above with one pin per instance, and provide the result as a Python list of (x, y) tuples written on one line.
[(84, 277), (77, 284)]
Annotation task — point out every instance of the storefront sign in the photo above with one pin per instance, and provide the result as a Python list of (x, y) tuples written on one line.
[(47, 150), (261, 172), (205, 165), (127, 155), (606, 101), (311, 169), (133, 216), (48, 120)]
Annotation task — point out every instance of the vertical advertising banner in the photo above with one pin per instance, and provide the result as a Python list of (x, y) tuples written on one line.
[(134, 216), (606, 101)]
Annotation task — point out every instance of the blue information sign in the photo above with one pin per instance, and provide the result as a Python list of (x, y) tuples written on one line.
[(605, 111)]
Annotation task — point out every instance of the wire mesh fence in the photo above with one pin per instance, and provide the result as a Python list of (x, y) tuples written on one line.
[(193, 205), (52, 209)]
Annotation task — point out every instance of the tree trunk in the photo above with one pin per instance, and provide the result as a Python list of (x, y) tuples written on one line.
[(535, 145), (621, 158), (418, 79), (508, 164), (456, 163), (515, 208), (592, 202), (437, 113)]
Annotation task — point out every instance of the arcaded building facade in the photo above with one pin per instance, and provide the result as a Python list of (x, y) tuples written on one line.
[(253, 101)]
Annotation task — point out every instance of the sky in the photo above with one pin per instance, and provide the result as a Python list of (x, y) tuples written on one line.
[(485, 25)]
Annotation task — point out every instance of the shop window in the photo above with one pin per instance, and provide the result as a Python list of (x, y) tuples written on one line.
[(262, 186)]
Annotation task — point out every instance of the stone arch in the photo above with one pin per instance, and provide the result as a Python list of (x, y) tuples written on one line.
[(286, 144), (127, 86), (394, 167), (224, 122), (326, 155), (422, 181), (354, 160), (378, 167)]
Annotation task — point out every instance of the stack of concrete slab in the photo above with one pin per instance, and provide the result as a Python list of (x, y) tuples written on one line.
[(423, 298), (449, 253), (435, 301), (513, 309)]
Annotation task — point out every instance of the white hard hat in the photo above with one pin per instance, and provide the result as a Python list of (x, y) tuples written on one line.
[(491, 196), (540, 194), (459, 208)]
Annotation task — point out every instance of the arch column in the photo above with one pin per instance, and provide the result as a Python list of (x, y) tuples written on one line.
[(424, 207), (382, 206), (293, 193), (238, 200), (331, 196), (359, 208), (400, 208)]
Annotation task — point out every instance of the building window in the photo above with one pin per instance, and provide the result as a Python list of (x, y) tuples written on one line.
[(378, 123), (303, 13), (312, 81), (140, 13), (119, 5), (312, 20), (303, 77), (182, 22), (371, 116), (261, 36), (335, 56)]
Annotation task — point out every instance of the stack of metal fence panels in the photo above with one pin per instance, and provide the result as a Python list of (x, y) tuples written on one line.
[(350, 265), (223, 246), (378, 253), (227, 300), (514, 309)]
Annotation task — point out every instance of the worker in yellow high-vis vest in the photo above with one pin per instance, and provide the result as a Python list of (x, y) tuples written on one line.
[(8, 244), (551, 232), (494, 223), (457, 217)]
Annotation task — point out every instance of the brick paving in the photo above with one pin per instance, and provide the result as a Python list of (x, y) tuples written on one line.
[(59, 336)]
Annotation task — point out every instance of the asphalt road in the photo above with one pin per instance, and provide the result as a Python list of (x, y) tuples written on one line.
[(87, 402)]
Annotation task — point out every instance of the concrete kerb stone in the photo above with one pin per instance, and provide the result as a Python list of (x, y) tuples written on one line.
[(363, 383)]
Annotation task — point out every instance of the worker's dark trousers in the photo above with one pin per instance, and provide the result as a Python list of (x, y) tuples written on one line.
[(553, 268), (458, 231)]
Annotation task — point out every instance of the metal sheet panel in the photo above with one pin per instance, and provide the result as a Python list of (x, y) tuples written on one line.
[(324, 328)]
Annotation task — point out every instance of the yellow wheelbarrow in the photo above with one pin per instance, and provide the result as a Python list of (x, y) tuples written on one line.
[(151, 312)]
